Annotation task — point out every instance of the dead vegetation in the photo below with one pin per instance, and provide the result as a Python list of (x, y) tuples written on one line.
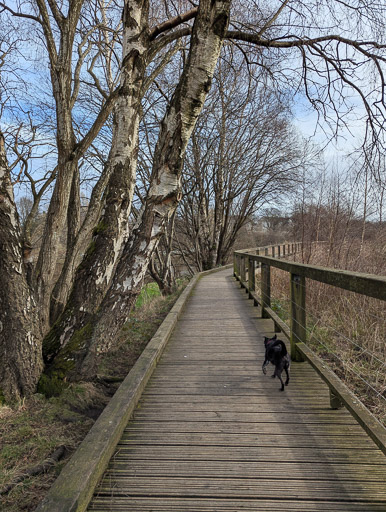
[(346, 329), (39, 429)]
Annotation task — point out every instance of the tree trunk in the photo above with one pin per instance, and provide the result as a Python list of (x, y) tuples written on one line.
[(20, 348), (219, 187), (94, 274), (161, 264), (101, 331), (75, 254)]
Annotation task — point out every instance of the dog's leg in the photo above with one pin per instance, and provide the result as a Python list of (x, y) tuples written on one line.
[(278, 375), (265, 364), (288, 378)]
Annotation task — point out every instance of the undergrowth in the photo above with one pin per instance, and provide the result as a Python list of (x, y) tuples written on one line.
[(30, 431)]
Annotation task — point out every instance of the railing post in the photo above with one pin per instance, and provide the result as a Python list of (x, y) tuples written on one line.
[(236, 264), (265, 289), (251, 276), (273, 251), (242, 268), (266, 251), (283, 250), (278, 251), (335, 401), (298, 314), (246, 270)]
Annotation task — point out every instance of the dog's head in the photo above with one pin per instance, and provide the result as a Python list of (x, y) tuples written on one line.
[(268, 340)]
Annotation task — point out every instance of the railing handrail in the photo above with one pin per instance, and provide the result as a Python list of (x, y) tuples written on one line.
[(365, 284)]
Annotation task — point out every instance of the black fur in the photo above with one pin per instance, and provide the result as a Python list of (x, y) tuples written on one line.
[(276, 353)]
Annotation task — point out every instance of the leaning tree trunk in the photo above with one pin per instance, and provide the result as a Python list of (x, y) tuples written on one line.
[(20, 352), (75, 253), (164, 192), (161, 266), (94, 274)]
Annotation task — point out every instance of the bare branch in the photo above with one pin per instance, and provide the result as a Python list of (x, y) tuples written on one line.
[(5, 7), (173, 22)]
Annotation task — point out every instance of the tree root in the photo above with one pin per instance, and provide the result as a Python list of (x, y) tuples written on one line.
[(36, 470)]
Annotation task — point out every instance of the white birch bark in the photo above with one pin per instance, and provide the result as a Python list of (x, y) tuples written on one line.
[(98, 266), (164, 193)]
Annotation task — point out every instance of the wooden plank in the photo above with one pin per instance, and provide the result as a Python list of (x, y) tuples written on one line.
[(282, 470), (167, 504), (254, 453), (226, 416), (173, 426), (233, 440), (242, 488)]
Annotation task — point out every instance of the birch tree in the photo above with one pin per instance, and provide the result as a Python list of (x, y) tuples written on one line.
[(97, 332)]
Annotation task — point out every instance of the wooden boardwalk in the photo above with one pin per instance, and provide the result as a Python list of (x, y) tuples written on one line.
[(212, 433)]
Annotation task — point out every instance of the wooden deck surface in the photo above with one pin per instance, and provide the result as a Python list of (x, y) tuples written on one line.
[(212, 433)]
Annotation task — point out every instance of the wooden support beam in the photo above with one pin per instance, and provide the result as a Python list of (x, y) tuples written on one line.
[(251, 277), (298, 314), (265, 289)]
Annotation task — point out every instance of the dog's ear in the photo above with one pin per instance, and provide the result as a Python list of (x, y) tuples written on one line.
[(275, 337)]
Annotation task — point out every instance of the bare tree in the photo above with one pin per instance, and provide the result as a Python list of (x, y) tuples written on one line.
[(99, 332), (244, 153)]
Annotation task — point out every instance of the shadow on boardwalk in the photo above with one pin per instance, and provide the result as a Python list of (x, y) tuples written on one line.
[(212, 433)]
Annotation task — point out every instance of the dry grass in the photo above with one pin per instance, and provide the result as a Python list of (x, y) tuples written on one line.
[(346, 329), (33, 429)]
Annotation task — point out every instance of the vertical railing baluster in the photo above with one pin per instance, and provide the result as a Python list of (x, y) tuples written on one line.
[(251, 276), (242, 268), (298, 314), (265, 289), (246, 271)]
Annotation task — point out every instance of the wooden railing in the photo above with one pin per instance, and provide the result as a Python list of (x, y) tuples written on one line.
[(246, 263)]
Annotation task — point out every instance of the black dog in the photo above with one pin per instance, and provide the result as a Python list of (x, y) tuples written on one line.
[(276, 353)]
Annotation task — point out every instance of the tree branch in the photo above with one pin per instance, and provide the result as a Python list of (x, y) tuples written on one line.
[(277, 43), (173, 22), (162, 41), (83, 145), (57, 14), (19, 14)]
